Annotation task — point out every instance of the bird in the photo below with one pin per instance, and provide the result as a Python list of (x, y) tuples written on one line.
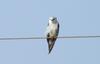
[(52, 32)]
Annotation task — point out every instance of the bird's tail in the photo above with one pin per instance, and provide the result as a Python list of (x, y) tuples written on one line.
[(50, 46)]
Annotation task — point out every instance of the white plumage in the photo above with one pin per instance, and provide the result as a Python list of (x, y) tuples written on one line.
[(52, 32)]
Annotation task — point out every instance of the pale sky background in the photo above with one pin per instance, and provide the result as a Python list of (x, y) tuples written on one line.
[(29, 18)]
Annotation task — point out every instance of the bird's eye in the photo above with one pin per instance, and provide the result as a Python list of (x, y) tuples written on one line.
[(53, 19)]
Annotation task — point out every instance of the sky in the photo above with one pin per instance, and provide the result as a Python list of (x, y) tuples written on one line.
[(29, 18)]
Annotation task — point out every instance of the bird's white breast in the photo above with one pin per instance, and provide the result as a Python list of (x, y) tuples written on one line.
[(53, 28)]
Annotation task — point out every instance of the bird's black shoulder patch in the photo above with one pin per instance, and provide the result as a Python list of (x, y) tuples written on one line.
[(48, 35), (58, 25)]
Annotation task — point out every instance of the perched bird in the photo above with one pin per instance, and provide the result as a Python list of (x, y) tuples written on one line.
[(52, 32)]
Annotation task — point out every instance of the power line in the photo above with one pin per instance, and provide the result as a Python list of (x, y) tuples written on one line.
[(61, 37)]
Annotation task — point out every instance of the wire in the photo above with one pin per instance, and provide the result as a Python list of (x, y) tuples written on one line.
[(61, 37)]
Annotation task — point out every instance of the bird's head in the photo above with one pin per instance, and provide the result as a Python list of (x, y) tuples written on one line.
[(53, 19)]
